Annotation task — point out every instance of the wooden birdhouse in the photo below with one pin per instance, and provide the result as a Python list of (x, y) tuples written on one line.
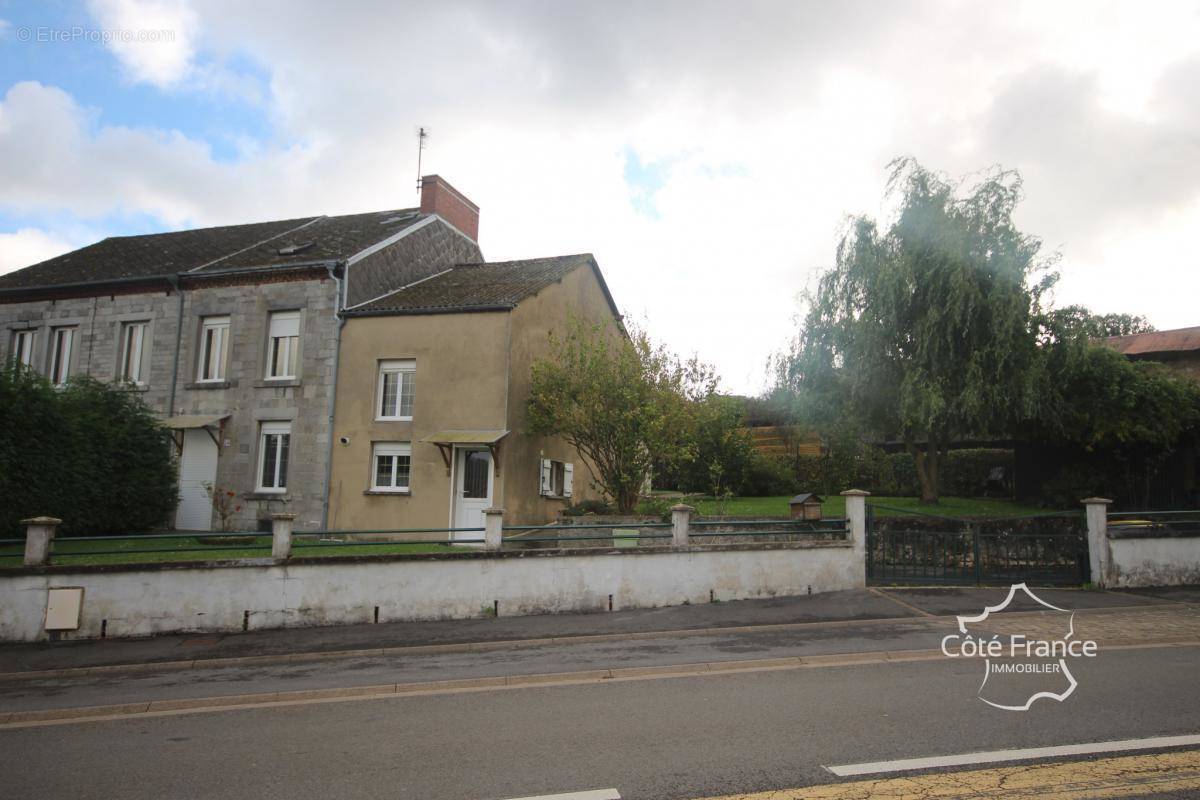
[(806, 506)]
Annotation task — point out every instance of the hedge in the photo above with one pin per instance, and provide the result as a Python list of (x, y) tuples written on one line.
[(963, 473), (91, 454)]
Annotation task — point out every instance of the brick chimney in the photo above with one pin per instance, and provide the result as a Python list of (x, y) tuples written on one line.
[(439, 197)]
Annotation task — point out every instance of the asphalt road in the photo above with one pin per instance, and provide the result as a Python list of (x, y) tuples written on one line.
[(669, 738)]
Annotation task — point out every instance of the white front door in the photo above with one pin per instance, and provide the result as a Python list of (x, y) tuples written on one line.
[(197, 466), (473, 492)]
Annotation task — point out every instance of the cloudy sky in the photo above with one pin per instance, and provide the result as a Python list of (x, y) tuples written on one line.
[(707, 153)]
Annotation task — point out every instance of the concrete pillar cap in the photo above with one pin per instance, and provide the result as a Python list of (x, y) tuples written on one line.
[(1094, 501), (283, 515), (682, 507), (855, 493), (42, 521), (493, 510)]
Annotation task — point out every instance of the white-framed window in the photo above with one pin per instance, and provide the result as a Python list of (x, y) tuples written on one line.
[(391, 466), (394, 397), (283, 344), (132, 365), (558, 478), (22, 347), (214, 348), (274, 443), (63, 345)]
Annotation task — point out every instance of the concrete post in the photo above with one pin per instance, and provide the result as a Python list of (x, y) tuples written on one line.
[(856, 519), (493, 528), (1099, 553), (681, 520), (281, 535), (39, 533)]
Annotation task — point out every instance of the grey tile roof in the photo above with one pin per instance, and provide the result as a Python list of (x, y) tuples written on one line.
[(215, 249), (497, 284)]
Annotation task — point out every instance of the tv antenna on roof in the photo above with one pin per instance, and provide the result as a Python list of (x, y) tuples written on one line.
[(422, 135)]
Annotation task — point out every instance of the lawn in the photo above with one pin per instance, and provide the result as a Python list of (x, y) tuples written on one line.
[(136, 550), (836, 506)]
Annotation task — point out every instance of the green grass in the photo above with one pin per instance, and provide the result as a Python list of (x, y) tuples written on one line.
[(836, 506), (85, 552)]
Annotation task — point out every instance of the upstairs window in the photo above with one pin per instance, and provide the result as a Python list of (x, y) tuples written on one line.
[(558, 478), (393, 466), (214, 347), (283, 345), (22, 348), (133, 353), (63, 345), (394, 400), (274, 444)]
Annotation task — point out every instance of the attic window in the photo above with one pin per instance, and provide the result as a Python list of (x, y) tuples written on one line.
[(293, 249)]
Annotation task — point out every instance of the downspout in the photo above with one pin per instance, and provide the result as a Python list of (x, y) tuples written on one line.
[(174, 280), (339, 305)]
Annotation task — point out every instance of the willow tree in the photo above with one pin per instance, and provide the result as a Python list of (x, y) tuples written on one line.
[(925, 329)]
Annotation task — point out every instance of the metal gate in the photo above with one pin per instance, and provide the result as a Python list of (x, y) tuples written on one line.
[(1049, 549)]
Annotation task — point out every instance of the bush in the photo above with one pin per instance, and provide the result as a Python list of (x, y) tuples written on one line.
[(91, 454), (580, 509), (767, 476), (963, 472)]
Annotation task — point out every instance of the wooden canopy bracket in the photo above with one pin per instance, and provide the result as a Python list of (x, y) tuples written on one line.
[(445, 450)]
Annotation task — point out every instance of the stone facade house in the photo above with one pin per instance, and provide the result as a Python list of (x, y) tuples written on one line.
[(1178, 349), (365, 371), (232, 335)]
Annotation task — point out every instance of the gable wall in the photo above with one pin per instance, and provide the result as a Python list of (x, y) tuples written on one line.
[(424, 252)]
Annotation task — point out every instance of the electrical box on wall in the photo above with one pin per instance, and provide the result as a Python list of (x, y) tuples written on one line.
[(63, 606)]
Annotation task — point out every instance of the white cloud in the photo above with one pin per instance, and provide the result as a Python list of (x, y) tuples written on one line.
[(154, 40), (29, 246), (776, 119)]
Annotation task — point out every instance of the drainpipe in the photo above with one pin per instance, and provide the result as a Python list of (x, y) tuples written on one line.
[(339, 304), (174, 280)]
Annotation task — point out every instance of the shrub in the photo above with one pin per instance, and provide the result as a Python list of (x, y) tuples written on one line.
[(767, 476), (588, 507), (91, 454)]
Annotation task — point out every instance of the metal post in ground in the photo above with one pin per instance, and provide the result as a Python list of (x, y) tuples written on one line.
[(39, 534)]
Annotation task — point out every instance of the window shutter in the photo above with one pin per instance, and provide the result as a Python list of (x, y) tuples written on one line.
[(285, 323), (568, 475), (547, 477)]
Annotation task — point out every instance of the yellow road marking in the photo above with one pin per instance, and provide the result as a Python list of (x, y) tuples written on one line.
[(1127, 776)]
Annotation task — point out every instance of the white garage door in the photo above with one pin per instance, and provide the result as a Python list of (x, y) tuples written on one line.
[(197, 466)]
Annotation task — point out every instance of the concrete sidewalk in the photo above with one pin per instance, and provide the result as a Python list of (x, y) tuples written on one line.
[(859, 606)]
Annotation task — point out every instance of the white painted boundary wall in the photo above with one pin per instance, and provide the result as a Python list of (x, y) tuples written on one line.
[(1153, 561), (144, 601)]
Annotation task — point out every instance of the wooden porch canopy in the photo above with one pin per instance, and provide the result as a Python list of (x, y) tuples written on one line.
[(177, 425), (446, 441)]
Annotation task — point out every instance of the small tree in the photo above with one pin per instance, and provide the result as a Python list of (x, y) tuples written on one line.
[(620, 400)]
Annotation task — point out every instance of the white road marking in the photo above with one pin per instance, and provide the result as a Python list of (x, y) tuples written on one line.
[(994, 756), (591, 794)]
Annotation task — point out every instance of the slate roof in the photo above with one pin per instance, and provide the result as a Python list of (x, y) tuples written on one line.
[(1178, 340), (215, 249), (469, 287)]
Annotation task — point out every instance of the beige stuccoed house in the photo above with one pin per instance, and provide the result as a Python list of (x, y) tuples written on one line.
[(434, 379)]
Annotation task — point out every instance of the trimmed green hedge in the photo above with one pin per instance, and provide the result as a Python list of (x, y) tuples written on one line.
[(91, 454), (963, 473)]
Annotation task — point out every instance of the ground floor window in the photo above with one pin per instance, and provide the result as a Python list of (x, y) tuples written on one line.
[(557, 478), (274, 444), (393, 466)]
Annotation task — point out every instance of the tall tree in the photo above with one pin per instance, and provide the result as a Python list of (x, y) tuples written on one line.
[(1070, 321), (623, 402), (925, 329)]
